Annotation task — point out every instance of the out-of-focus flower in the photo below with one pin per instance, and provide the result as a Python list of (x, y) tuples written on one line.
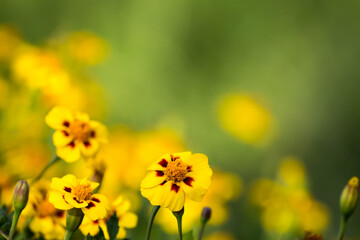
[(76, 136), (219, 235), (86, 48), (286, 205), (229, 185), (10, 40), (46, 219), (7, 184), (244, 117), (174, 176), (4, 92), (311, 236), (69, 192), (126, 219)]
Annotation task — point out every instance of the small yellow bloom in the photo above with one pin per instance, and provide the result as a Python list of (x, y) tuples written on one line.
[(126, 219), (175, 175), (76, 136), (69, 192)]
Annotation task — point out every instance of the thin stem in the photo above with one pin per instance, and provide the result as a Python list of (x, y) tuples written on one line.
[(202, 227), (14, 224), (68, 235), (342, 228), (3, 235), (151, 220), (39, 176), (179, 221)]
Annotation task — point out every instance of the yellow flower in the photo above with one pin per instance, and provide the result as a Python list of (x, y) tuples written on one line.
[(76, 136), (126, 219), (219, 235), (46, 220), (175, 175), (69, 192), (10, 41), (244, 117)]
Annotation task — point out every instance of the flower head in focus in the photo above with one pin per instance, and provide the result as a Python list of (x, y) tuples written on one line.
[(175, 176), (126, 219), (76, 136), (69, 192)]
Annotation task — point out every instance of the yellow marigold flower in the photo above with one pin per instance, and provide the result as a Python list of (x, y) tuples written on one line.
[(76, 136), (46, 219), (175, 175), (69, 192), (126, 219)]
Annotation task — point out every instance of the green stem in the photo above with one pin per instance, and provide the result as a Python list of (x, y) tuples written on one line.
[(68, 235), (151, 221), (178, 216), (202, 227), (39, 176), (3, 235), (342, 228), (14, 224)]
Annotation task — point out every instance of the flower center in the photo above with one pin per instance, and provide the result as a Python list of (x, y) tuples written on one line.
[(45, 208), (176, 170), (83, 192), (80, 130)]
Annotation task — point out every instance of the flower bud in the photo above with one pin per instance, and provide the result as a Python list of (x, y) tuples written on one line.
[(206, 214), (21, 195), (74, 218), (349, 197)]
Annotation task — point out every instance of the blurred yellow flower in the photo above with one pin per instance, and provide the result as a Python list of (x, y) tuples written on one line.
[(244, 117), (286, 205), (10, 40), (126, 219), (229, 185), (174, 176), (45, 218), (219, 235), (69, 192), (86, 48), (76, 136)]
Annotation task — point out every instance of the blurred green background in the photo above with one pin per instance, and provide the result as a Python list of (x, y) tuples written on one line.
[(170, 62)]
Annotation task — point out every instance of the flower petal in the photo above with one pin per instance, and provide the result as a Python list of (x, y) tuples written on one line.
[(81, 116), (58, 200), (152, 179), (98, 132), (72, 200), (70, 152), (89, 148), (62, 138), (121, 234), (65, 184), (168, 195), (128, 220), (97, 208), (59, 117)]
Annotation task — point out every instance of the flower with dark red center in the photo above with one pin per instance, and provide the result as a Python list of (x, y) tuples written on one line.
[(175, 176), (76, 136)]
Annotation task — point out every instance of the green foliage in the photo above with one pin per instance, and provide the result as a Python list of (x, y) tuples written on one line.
[(5, 220), (189, 236), (113, 226)]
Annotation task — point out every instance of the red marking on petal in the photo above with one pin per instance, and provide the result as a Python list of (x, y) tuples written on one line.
[(189, 168), (92, 134), (67, 189), (66, 134), (64, 199), (66, 123), (72, 144), (163, 163), (95, 200), (159, 173), (175, 188), (174, 158), (163, 183), (60, 213), (188, 181), (87, 144), (90, 205), (77, 200)]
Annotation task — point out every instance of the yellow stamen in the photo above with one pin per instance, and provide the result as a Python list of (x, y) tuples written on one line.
[(80, 130), (83, 192), (176, 170)]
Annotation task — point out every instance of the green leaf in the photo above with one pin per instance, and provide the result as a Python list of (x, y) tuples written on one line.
[(113, 226), (89, 237), (100, 235)]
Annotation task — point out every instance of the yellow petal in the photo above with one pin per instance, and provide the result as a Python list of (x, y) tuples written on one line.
[(167, 195), (72, 200), (58, 200), (62, 138), (70, 153), (121, 234), (100, 131), (152, 179), (58, 117), (65, 184), (81, 116), (128, 220), (98, 207), (89, 148)]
